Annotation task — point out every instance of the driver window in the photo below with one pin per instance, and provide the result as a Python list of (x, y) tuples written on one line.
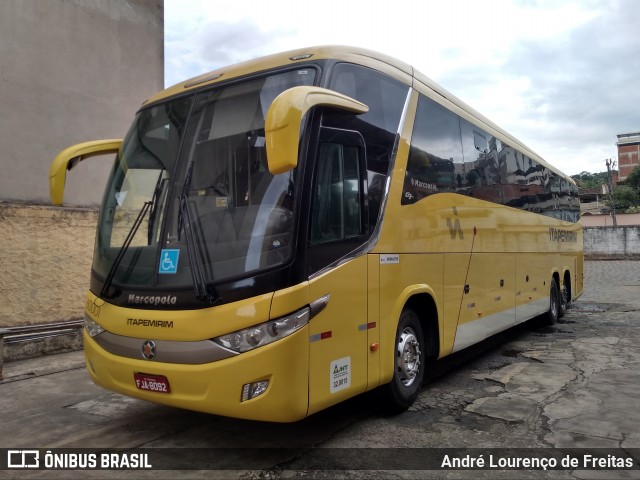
[(336, 212)]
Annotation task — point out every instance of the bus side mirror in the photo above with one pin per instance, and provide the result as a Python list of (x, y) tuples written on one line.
[(70, 157), (284, 119)]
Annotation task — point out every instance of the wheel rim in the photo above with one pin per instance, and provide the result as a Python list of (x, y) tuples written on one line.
[(409, 354)]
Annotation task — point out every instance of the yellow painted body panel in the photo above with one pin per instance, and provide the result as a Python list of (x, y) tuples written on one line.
[(337, 332), (508, 246), (413, 274), (189, 325), (490, 292), (373, 316)]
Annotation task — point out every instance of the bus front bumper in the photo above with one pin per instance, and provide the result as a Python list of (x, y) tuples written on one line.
[(216, 387)]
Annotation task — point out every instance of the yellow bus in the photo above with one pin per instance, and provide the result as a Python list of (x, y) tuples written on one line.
[(283, 234)]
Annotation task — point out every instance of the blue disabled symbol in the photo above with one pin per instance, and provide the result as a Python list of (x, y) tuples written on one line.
[(169, 260)]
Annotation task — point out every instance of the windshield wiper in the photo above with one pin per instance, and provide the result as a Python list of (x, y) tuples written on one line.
[(203, 291), (160, 183), (123, 249)]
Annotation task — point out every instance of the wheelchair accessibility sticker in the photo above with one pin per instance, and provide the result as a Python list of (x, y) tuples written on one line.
[(169, 260)]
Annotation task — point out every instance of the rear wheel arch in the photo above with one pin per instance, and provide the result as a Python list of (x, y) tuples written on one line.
[(425, 308), (567, 283)]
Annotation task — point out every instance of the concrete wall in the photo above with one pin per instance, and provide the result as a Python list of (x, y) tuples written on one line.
[(71, 71), (46, 254), (612, 241), (607, 220)]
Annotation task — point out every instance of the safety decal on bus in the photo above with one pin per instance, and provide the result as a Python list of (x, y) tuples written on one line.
[(169, 260), (340, 374)]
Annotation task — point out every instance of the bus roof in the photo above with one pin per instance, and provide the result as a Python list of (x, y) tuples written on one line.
[(388, 65)]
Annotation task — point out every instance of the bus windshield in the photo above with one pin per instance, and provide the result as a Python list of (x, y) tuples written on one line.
[(196, 169)]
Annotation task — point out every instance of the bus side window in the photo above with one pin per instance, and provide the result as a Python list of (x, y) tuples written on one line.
[(435, 152), (385, 97)]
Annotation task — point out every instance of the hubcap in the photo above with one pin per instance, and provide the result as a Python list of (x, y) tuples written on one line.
[(408, 358)]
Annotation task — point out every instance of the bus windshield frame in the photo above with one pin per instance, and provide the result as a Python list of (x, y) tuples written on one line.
[(215, 212)]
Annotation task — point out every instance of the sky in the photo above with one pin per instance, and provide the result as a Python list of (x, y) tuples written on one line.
[(562, 76)]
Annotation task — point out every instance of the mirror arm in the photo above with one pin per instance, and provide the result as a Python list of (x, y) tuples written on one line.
[(71, 157)]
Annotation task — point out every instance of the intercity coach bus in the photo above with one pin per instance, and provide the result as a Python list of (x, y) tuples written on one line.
[(283, 234)]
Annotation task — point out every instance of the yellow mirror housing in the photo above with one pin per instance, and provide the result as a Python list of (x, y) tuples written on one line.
[(70, 157), (284, 118)]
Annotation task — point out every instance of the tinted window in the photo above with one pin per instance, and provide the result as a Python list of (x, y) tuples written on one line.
[(336, 194), (480, 156), (449, 153), (338, 221), (435, 149), (385, 98)]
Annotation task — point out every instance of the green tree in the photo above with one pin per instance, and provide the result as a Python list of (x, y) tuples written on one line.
[(625, 197), (586, 180), (633, 180)]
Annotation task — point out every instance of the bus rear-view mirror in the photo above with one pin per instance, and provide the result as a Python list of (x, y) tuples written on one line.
[(285, 117), (72, 156)]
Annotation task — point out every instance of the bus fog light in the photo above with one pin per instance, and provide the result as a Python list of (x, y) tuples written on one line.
[(253, 390)]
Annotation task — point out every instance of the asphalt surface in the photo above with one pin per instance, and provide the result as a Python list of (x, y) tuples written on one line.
[(572, 385)]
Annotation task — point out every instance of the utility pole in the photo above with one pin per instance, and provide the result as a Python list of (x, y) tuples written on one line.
[(611, 164)]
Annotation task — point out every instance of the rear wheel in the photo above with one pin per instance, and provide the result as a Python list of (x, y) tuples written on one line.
[(554, 303), (564, 299), (408, 363)]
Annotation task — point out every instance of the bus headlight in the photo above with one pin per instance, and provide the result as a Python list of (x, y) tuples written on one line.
[(92, 327), (265, 333)]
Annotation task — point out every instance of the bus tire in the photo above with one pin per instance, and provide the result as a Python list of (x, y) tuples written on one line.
[(564, 300), (409, 364), (554, 303)]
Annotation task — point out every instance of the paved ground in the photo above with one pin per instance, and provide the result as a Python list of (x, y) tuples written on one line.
[(573, 385)]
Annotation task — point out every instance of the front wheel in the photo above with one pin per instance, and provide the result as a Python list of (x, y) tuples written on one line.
[(409, 363)]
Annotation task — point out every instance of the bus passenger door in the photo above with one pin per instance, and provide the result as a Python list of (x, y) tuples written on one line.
[(337, 274)]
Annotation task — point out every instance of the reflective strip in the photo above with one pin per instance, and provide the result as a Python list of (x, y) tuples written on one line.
[(366, 326), (320, 336)]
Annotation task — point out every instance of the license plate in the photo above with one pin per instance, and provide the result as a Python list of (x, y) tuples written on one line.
[(152, 383)]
